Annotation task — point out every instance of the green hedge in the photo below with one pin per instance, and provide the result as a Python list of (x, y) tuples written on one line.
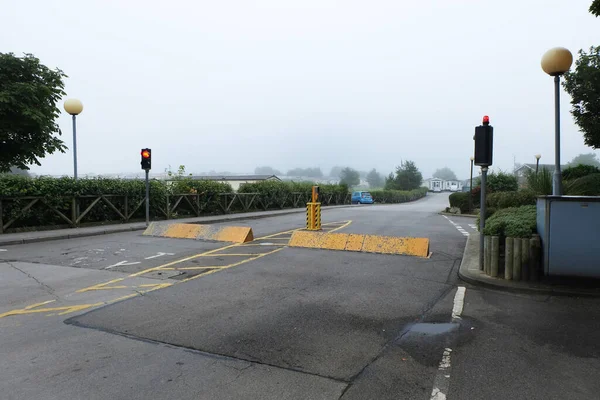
[(460, 200), (398, 196), (579, 171), (586, 186), (500, 200), (512, 222)]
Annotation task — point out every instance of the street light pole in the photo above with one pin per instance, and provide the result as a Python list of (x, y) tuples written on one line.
[(556, 62), (74, 107), (537, 162)]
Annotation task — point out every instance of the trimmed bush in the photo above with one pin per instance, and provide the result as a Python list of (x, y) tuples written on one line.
[(460, 200), (586, 186), (517, 222), (500, 200), (579, 171), (398, 196)]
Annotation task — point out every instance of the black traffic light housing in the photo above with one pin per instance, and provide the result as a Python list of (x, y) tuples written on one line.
[(146, 159), (484, 143)]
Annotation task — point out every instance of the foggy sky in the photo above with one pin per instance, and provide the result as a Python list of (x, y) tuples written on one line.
[(231, 85)]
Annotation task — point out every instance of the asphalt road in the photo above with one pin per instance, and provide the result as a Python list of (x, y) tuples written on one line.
[(182, 319)]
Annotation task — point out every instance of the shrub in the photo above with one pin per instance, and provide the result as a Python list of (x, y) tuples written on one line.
[(502, 200), (579, 171), (586, 186), (460, 200), (398, 196), (502, 182), (512, 222), (540, 183)]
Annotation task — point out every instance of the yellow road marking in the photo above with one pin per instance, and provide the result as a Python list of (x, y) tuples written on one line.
[(194, 268), (102, 286), (38, 304), (264, 244), (236, 254), (65, 309)]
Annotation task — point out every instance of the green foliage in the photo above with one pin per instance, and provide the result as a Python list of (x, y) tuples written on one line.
[(266, 171), (502, 182), (375, 179), (408, 177), (540, 183), (445, 173), (579, 171), (585, 159), (583, 84), (585, 186), (595, 8), (460, 200), (500, 200), (335, 171), (349, 177), (306, 172), (29, 92), (397, 196), (517, 222)]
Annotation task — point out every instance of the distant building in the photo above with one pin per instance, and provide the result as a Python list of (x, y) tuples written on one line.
[(523, 170), (237, 180), (442, 185)]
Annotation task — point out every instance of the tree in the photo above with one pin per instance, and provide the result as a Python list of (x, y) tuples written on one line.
[(306, 172), (408, 177), (335, 172), (585, 159), (29, 92), (583, 84), (266, 171), (375, 179), (445, 173), (349, 177), (595, 8)]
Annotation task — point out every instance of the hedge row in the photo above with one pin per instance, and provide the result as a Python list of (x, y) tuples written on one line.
[(398, 196), (517, 222)]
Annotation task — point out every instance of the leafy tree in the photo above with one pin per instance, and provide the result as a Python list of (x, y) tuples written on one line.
[(585, 159), (375, 179), (307, 172), (595, 8), (583, 84), (266, 171), (336, 171), (18, 171), (408, 177), (349, 177), (29, 92), (445, 173), (579, 171)]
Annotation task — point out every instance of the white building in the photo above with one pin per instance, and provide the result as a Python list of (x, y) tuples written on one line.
[(441, 185)]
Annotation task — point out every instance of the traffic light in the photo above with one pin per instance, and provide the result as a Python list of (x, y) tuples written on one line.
[(484, 143), (146, 159)]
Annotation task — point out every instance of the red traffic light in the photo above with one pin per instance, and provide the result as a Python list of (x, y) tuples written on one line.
[(145, 154), (486, 120)]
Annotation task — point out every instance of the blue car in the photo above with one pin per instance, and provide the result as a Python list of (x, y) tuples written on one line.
[(362, 198)]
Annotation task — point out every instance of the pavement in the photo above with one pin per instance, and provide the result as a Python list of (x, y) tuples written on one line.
[(124, 316)]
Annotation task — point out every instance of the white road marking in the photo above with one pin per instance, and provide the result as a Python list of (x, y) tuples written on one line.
[(458, 227), (441, 383), (3, 250), (122, 263), (473, 226), (159, 254)]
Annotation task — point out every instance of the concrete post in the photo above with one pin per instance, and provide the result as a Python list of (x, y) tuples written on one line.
[(534, 258), (495, 254), (525, 259), (508, 258), (517, 259), (488, 255)]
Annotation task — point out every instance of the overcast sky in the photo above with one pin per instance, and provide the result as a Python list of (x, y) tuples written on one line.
[(230, 85)]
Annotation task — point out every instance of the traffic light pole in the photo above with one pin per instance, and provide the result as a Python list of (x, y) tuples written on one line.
[(147, 197), (482, 211)]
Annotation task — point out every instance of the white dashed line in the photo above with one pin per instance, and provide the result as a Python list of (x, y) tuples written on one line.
[(441, 382), (460, 228), (473, 226)]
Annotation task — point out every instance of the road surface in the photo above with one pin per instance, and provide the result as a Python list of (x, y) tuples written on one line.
[(125, 316)]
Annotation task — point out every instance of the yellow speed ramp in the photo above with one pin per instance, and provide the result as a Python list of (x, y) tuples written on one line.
[(235, 234), (363, 243)]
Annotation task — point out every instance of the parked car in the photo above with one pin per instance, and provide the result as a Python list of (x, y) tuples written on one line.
[(362, 198)]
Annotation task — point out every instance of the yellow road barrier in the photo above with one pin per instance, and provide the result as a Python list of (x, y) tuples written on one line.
[(235, 234), (363, 243)]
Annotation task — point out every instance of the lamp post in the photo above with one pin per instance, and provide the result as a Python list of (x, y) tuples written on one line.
[(555, 62), (471, 187), (74, 107), (537, 162)]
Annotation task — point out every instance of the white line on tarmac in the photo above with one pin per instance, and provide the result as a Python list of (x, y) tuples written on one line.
[(120, 263), (441, 383), (159, 254), (3, 250)]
